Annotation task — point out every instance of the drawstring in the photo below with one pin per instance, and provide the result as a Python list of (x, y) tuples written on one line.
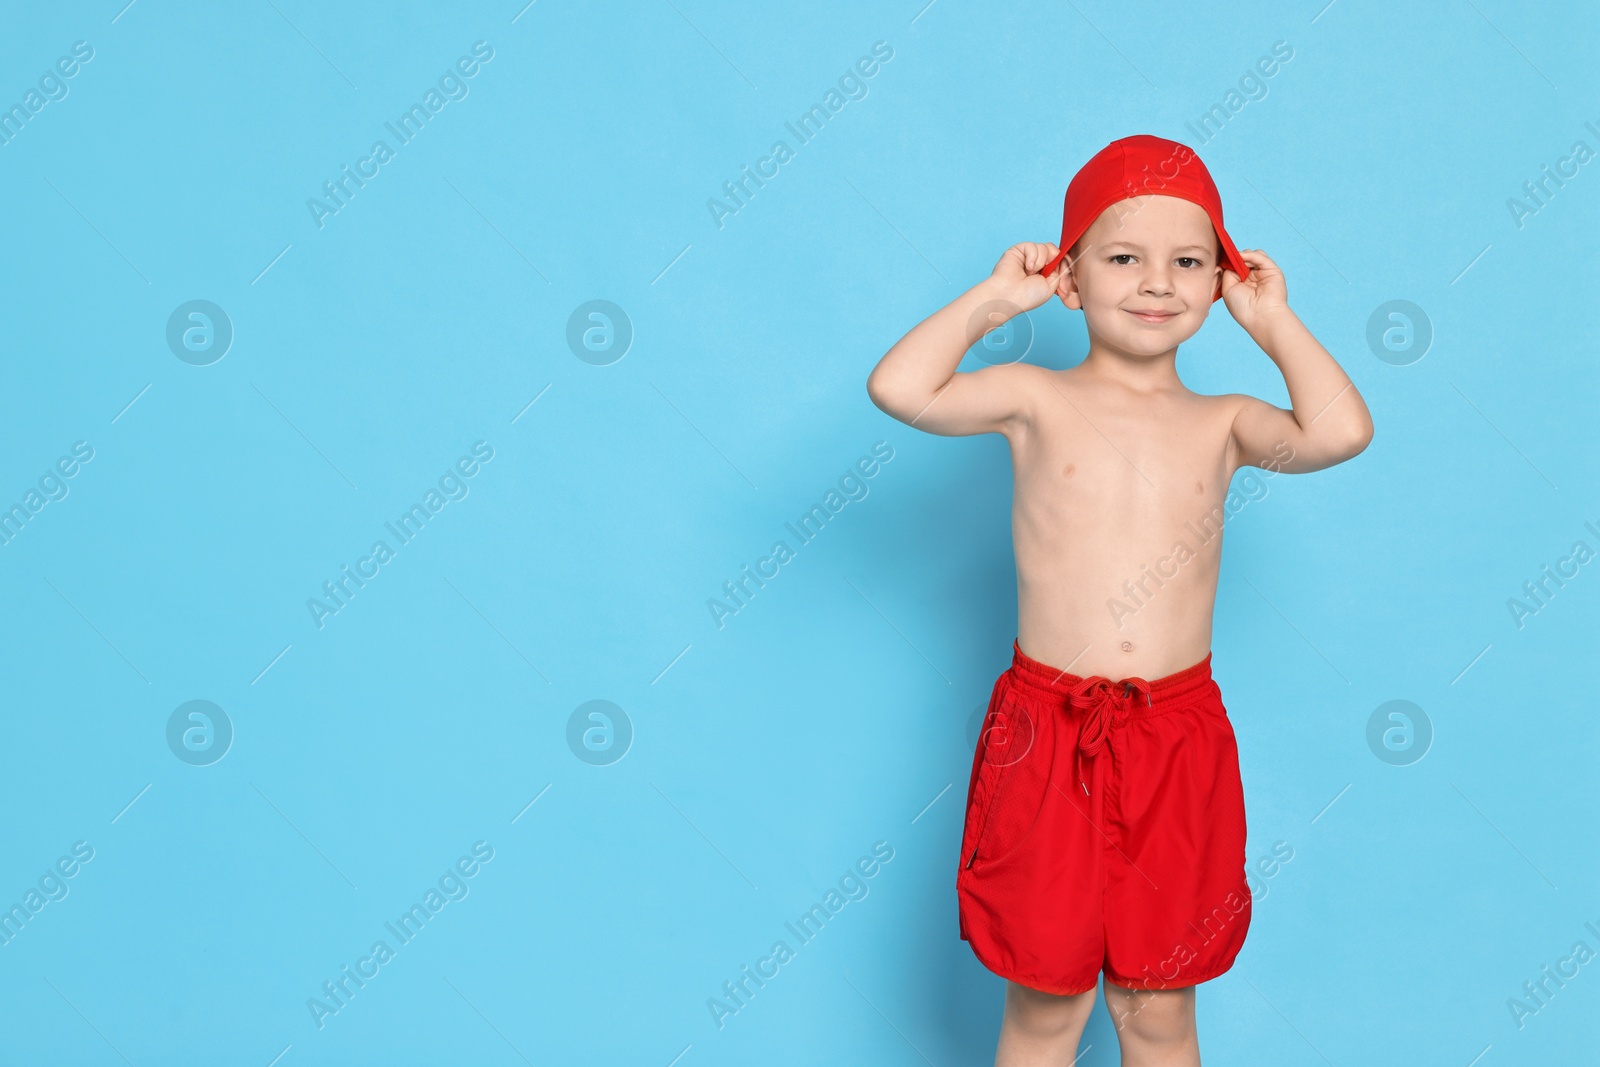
[(1107, 705)]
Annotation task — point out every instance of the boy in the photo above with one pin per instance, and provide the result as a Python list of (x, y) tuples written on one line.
[(1105, 825)]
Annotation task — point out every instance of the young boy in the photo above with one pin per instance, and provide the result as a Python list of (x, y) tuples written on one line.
[(1105, 826)]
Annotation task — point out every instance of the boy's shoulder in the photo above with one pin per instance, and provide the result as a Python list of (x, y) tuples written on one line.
[(1031, 379), (1017, 380), (1220, 405), (1219, 412)]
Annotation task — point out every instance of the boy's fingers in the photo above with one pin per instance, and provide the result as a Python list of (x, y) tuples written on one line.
[(1050, 253)]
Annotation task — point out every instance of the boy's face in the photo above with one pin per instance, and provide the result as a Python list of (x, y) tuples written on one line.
[(1144, 273)]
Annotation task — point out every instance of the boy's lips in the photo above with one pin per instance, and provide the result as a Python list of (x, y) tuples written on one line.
[(1154, 315)]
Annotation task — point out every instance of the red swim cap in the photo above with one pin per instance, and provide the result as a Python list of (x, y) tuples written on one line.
[(1142, 165)]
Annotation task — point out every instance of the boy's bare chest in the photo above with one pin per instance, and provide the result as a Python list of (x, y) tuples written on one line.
[(1135, 471)]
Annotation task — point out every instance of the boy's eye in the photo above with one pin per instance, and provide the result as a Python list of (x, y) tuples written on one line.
[(1122, 259)]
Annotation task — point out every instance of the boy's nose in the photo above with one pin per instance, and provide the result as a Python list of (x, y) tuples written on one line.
[(1157, 282)]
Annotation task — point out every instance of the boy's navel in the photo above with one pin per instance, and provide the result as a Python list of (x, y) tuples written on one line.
[(1199, 489), (1127, 646)]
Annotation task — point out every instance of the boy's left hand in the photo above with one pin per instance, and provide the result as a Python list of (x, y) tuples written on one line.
[(1251, 301)]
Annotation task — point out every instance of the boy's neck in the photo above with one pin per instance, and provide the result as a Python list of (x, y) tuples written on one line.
[(1141, 373)]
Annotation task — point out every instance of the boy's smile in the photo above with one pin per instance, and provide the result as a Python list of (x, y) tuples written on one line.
[(1144, 274)]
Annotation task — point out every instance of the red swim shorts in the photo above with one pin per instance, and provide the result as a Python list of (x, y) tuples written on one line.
[(1104, 831)]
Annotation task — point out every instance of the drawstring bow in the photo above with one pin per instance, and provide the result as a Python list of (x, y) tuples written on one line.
[(1106, 705)]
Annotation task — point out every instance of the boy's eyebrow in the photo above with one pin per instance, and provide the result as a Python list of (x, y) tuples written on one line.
[(1137, 247)]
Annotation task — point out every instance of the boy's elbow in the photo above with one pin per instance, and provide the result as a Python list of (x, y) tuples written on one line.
[(890, 399), (1358, 439), (879, 394), (875, 388)]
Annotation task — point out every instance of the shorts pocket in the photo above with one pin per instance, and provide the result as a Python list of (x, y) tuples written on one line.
[(1010, 776)]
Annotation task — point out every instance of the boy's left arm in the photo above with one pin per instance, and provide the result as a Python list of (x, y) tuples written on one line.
[(1330, 422)]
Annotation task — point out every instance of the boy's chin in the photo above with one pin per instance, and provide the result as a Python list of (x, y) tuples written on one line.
[(1135, 340)]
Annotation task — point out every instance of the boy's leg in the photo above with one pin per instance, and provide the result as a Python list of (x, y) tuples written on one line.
[(1154, 1026), (1041, 1029)]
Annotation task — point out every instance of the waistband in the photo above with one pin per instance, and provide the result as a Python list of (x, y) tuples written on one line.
[(1136, 695)]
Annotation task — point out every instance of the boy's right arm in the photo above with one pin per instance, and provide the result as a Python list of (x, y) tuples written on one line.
[(916, 381)]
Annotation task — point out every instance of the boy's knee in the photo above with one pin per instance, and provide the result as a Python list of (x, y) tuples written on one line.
[(1047, 1013), (1152, 1016)]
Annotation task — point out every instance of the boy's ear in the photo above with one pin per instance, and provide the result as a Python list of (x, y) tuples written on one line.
[(1067, 288)]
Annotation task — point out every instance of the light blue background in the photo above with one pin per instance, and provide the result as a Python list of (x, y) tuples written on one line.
[(834, 711)]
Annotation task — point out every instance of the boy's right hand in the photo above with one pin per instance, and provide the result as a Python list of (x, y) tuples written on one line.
[(1016, 277)]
